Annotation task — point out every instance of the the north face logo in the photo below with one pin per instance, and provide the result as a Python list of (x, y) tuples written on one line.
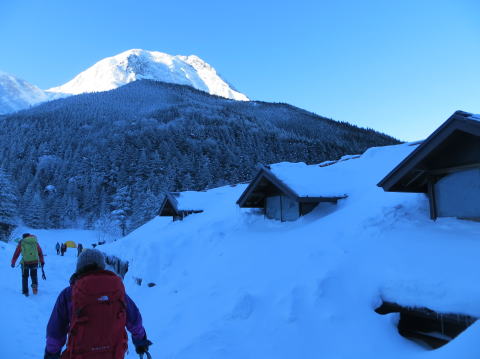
[(101, 297), (102, 348)]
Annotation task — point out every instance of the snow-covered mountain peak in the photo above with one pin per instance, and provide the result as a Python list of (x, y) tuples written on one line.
[(17, 94), (136, 64)]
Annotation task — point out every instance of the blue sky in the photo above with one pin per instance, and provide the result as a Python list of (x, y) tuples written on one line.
[(401, 67)]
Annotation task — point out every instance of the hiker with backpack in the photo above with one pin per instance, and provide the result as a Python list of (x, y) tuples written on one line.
[(32, 255), (57, 247), (63, 249), (94, 311)]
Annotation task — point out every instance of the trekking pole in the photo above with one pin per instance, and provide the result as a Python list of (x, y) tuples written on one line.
[(44, 277), (149, 356)]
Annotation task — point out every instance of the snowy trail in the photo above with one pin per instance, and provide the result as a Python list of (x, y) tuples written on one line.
[(24, 319)]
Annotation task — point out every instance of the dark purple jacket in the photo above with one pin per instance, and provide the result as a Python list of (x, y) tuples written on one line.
[(59, 322)]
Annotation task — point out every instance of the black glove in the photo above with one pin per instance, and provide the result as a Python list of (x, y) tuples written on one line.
[(13, 265), (141, 346), (51, 356)]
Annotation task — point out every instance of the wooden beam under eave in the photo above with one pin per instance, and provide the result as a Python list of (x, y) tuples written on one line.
[(432, 199), (444, 171)]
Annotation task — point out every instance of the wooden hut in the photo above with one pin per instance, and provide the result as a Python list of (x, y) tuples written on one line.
[(423, 324), (174, 206), (282, 201), (6, 230), (446, 167)]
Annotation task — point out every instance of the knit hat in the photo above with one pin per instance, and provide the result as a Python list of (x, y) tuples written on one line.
[(90, 258)]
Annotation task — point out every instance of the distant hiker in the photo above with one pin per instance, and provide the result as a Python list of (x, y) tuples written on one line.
[(57, 247), (32, 255), (82, 308), (63, 249), (79, 249)]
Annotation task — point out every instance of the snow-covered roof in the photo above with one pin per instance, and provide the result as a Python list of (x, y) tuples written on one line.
[(174, 205), (312, 180), (185, 202), (189, 201), (451, 145), (327, 181)]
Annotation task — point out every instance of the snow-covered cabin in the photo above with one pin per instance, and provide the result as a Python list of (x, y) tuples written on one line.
[(178, 206), (428, 326), (446, 167), (286, 191)]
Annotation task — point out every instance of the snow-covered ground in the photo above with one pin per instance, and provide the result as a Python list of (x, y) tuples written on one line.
[(231, 284), (24, 320)]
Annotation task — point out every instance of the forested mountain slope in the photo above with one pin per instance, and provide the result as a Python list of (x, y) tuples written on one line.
[(110, 155)]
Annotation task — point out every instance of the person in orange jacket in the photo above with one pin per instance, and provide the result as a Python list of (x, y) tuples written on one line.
[(32, 255)]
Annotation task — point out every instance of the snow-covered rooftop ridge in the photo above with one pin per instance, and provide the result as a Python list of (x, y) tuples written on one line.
[(189, 200), (115, 71), (343, 158), (307, 180), (338, 178), (475, 117), (202, 200)]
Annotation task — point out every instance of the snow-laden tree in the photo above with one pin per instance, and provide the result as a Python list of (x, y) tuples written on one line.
[(157, 137), (121, 209), (146, 206), (8, 207), (34, 212)]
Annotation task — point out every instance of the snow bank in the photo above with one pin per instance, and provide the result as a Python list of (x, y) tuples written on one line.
[(232, 284)]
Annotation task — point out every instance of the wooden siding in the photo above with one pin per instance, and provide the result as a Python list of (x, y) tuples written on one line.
[(455, 143), (420, 323)]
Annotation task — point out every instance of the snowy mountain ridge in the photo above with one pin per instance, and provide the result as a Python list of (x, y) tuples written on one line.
[(113, 72), (17, 94)]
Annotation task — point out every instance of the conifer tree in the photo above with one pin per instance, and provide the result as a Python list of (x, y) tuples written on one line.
[(121, 209), (8, 207), (151, 136)]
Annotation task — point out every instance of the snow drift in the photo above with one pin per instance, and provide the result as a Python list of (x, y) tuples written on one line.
[(231, 284)]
